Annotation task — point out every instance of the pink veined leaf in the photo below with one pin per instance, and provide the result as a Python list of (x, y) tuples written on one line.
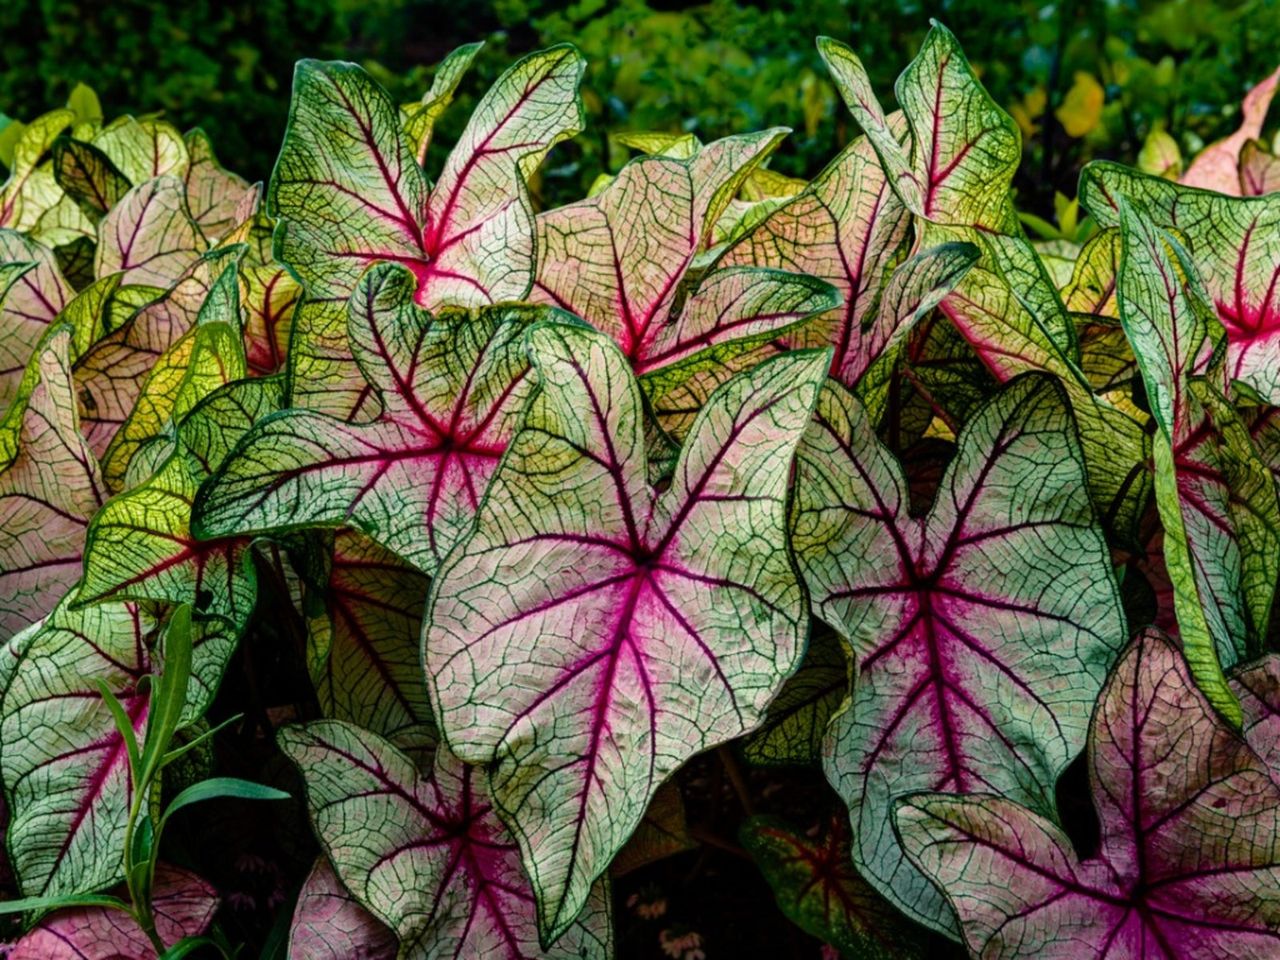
[(364, 648), (638, 635), (270, 301), (1216, 499), (184, 905), (966, 631), (111, 374), (849, 228), (329, 923), (451, 388), (344, 204), (1232, 243), (1257, 685), (214, 196), (28, 305), (1189, 866), (621, 258), (30, 188), (1217, 166), (50, 486), (67, 785), (1259, 170), (428, 856), (149, 236)]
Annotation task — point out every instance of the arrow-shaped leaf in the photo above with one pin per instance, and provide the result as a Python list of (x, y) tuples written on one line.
[(966, 629), (451, 391), (428, 857), (1190, 859), (644, 627)]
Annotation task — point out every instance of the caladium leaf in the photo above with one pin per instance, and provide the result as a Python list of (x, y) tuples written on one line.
[(638, 601), (1216, 499), (420, 118), (662, 833), (143, 148), (965, 635), (619, 260), (848, 228), (1093, 278), (329, 923), (428, 857), (451, 389), (363, 649), (183, 906), (1257, 686), (1231, 243), (111, 375), (214, 195), (65, 765), (149, 235), (205, 358), (796, 722), (1259, 170), (1217, 166), (270, 300), (1189, 864), (50, 485), (31, 189), (30, 301), (818, 889), (88, 176)]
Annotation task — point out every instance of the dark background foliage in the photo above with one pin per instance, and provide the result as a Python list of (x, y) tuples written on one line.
[(710, 68)]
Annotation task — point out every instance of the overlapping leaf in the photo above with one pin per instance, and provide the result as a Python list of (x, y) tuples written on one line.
[(1259, 170), (1189, 864), (643, 628), (346, 202), (818, 889), (1217, 166), (1216, 499), (65, 765), (32, 295), (451, 391), (183, 905), (420, 118), (980, 633), (955, 177), (149, 235), (364, 648), (1233, 243), (50, 485), (619, 260), (428, 857), (330, 924), (31, 189), (1257, 685)]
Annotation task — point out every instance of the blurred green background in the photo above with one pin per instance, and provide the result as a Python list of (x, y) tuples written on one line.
[(1084, 79)]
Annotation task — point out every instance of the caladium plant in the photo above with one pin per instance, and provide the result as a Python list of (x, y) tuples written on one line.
[(552, 557)]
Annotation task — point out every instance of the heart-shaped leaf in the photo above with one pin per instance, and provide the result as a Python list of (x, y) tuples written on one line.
[(428, 857), (982, 634), (1216, 167), (183, 906), (30, 300), (1216, 499), (451, 391), (1190, 859), (50, 485), (644, 627), (65, 765), (345, 203), (1232, 242), (330, 924), (149, 236)]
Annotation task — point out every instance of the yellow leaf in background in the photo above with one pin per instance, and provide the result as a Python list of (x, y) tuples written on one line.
[(1082, 108), (1026, 111), (1160, 155)]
